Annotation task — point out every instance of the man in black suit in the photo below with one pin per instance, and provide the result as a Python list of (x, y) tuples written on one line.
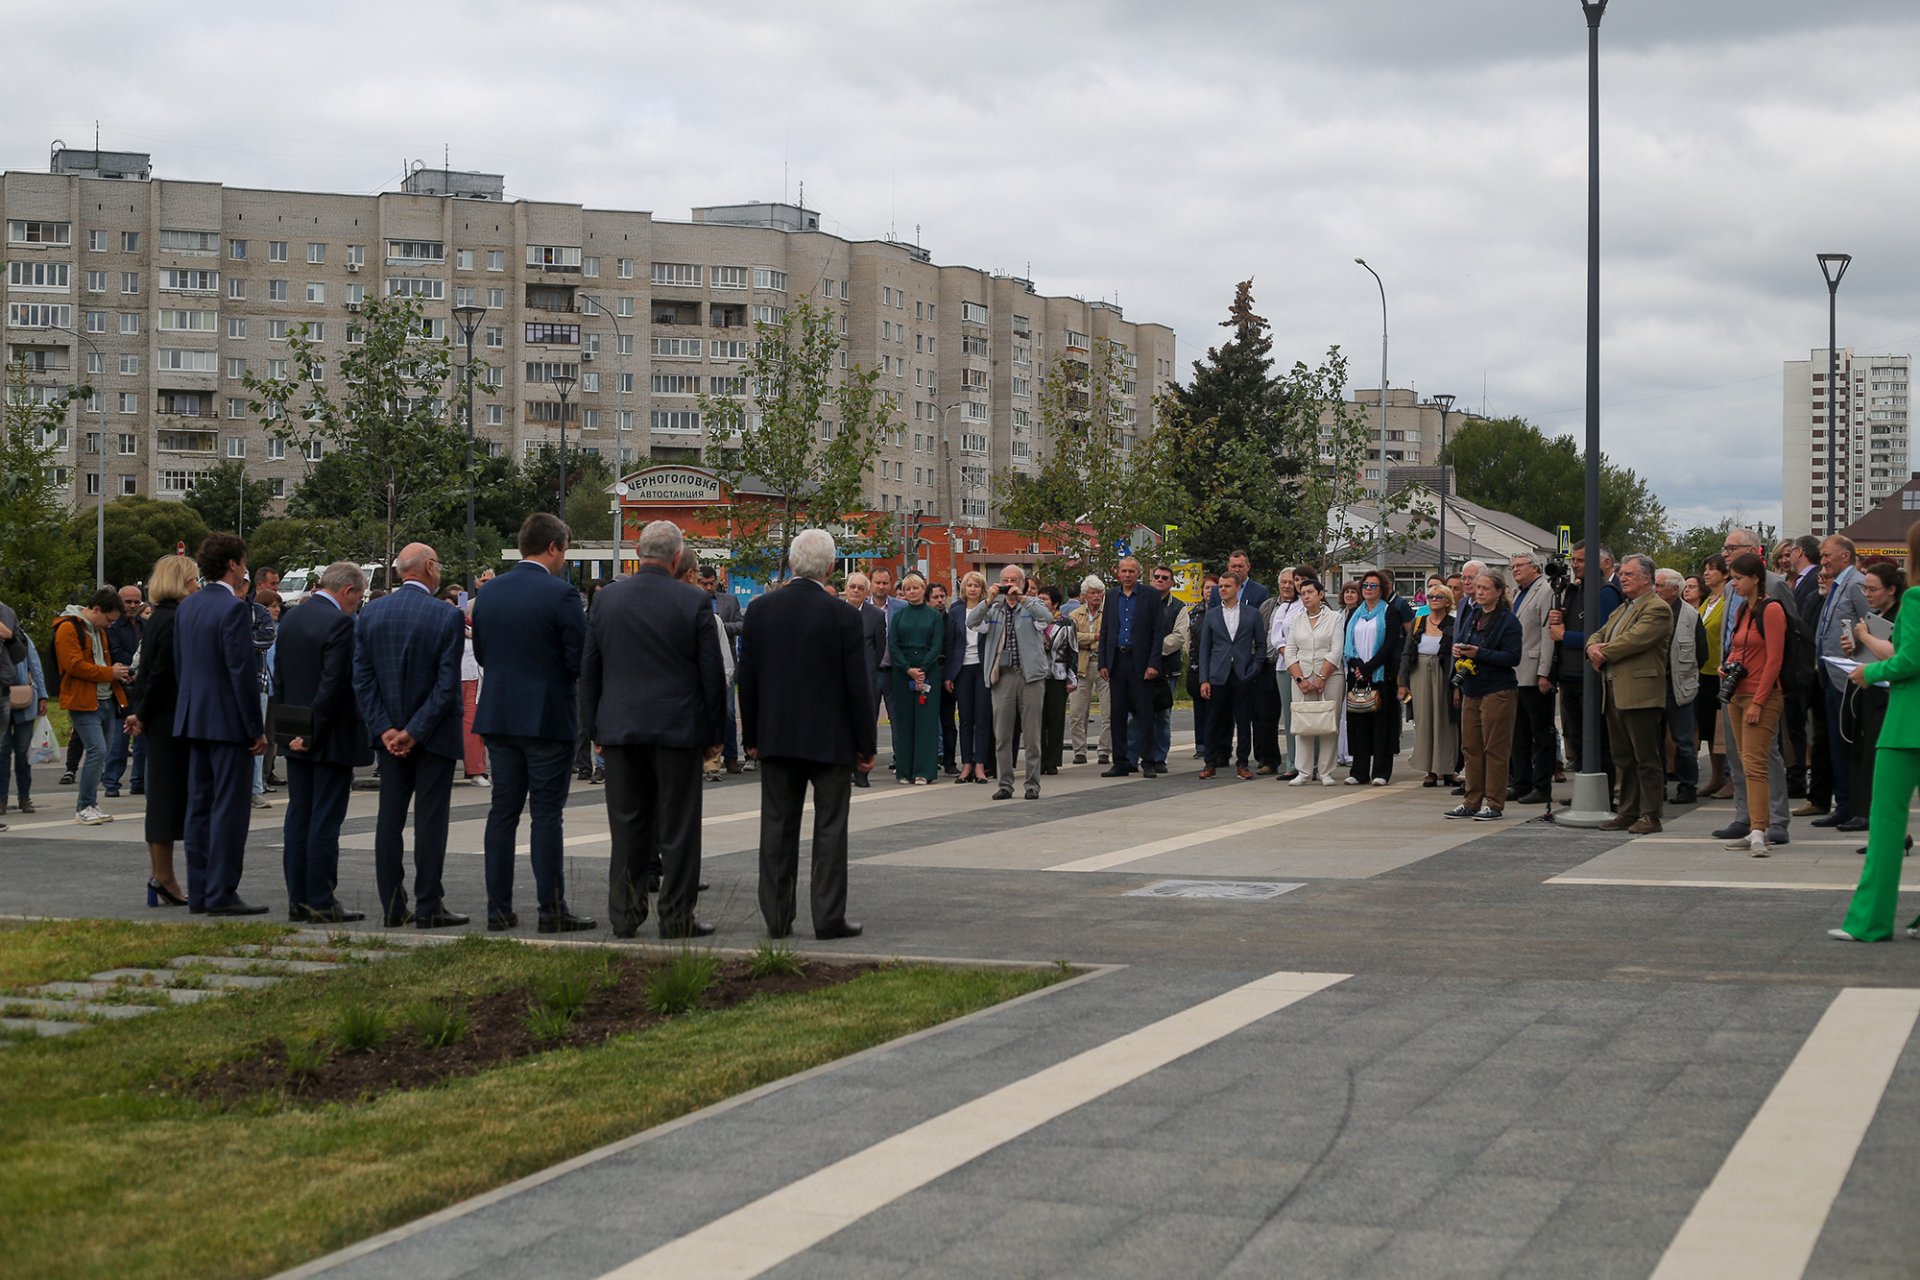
[(873, 639), (652, 697), (1803, 576), (1228, 652), (406, 675), (313, 681), (529, 627), (218, 714), (1132, 629), (726, 607), (806, 711)]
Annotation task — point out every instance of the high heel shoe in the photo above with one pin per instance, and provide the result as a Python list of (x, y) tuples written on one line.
[(158, 895)]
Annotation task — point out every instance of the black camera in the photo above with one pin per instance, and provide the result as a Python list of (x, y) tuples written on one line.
[(1731, 674), (1556, 571)]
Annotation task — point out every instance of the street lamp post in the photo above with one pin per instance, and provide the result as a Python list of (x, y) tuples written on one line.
[(1833, 266), (946, 475), (1380, 530), (100, 413), (1592, 797), (1446, 490), (468, 317), (563, 383), (620, 376)]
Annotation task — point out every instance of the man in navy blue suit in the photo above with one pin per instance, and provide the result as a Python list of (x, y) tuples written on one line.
[(313, 679), (1230, 647), (406, 675), (218, 715), (529, 628)]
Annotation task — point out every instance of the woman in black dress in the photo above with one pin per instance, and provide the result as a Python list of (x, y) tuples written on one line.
[(156, 685)]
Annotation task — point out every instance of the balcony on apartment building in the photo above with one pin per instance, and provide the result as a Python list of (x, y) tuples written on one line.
[(727, 315), (184, 404), (677, 314), (550, 297), (190, 442)]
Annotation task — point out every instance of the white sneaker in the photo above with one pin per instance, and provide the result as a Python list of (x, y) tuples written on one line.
[(1300, 781), (1379, 782), (479, 780), (1841, 935), (92, 816), (1757, 844), (1329, 781), (1352, 781)]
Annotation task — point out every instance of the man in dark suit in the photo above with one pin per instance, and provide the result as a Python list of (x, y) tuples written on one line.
[(529, 628), (1229, 658), (652, 697), (218, 715), (1131, 632), (726, 607), (406, 676), (313, 681), (873, 645), (807, 716), (1815, 788)]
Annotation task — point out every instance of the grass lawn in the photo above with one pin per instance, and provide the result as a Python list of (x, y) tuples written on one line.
[(109, 1168)]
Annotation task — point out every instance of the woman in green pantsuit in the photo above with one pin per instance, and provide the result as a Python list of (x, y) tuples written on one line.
[(1896, 772), (915, 638)]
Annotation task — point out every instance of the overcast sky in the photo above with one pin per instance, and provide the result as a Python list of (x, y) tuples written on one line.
[(1152, 153)]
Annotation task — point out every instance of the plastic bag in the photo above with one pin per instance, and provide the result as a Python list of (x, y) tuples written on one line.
[(42, 751)]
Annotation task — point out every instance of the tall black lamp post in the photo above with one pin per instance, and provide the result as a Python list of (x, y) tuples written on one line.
[(563, 383), (468, 317), (1445, 404), (1833, 266)]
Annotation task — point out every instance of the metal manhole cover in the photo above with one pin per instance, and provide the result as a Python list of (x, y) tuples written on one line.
[(1228, 890)]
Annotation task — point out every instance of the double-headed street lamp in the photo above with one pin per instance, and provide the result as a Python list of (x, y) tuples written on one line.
[(563, 383), (468, 317), (1833, 266), (1380, 531), (1445, 404)]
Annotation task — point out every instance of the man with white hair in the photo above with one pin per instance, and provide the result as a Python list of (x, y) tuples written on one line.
[(1014, 661), (1086, 630), (1631, 654), (806, 713), (313, 681), (1683, 683), (653, 698)]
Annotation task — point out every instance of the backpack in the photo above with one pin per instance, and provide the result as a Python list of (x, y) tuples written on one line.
[(52, 655), (1797, 662)]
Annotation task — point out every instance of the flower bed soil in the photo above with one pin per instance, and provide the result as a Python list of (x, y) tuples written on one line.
[(497, 1033)]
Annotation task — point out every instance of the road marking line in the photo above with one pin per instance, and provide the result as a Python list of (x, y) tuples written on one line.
[(1812, 885), (1206, 835), (1763, 1213), (760, 1236)]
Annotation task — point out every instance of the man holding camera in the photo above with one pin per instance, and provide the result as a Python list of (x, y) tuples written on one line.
[(1013, 657)]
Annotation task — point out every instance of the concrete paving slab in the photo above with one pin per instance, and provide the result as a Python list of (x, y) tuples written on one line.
[(168, 977), (41, 1026), (82, 1009), (266, 964)]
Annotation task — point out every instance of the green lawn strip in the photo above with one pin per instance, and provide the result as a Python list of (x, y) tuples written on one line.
[(102, 1173), (38, 951)]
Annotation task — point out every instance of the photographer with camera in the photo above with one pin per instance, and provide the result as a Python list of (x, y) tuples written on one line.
[(1014, 659)]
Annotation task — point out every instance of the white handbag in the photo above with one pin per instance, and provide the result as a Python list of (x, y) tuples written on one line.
[(1312, 719)]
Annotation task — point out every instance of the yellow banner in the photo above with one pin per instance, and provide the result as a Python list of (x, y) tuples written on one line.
[(1187, 580)]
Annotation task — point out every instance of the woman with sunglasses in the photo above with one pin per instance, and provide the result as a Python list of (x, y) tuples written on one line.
[(1374, 643)]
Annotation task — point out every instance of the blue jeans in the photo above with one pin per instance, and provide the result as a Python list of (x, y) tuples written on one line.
[(92, 727), (16, 741), (1683, 722), (527, 772), (121, 749)]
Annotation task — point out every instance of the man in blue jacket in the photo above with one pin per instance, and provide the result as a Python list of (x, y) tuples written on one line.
[(529, 628), (218, 714), (1230, 649), (406, 676), (313, 679)]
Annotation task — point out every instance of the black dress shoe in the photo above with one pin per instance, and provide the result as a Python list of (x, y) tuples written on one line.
[(335, 914), (1851, 824), (1118, 771), (441, 919), (1003, 793), (499, 921), (1684, 794), (194, 909), (777, 934), (949, 767), (1546, 797), (1033, 791), (564, 921), (297, 913), (860, 780), (845, 929), (397, 919), (690, 929), (1830, 820), (237, 907)]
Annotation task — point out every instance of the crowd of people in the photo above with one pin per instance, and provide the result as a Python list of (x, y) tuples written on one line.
[(1781, 666)]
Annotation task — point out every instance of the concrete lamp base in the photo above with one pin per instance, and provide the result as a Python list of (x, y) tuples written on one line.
[(1592, 802)]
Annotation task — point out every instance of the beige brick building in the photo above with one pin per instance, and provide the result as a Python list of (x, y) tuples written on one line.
[(164, 293), (1413, 427)]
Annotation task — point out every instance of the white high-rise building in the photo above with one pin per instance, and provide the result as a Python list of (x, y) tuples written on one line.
[(1872, 454)]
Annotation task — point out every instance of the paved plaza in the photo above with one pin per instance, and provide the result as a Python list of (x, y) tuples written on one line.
[(1378, 1044)]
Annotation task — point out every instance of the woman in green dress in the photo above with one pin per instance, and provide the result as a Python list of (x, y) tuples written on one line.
[(915, 639), (1896, 772)]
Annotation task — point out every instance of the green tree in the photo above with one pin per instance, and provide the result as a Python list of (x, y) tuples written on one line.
[(808, 435), (1095, 485), (224, 495), (292, 542), (40, 564), (140, 530), (1511, 465), (389, 409)]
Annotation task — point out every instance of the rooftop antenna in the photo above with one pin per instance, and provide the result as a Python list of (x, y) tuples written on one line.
[(803, 193), (916, 233), (446, 156), (96, 137)]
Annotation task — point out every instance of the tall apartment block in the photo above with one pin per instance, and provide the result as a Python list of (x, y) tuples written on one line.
[(1872, 458), (163, 294), (1413, 427)]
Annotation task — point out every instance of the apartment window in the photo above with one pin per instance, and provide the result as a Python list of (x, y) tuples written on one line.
[(236, 367), (129, 282), (493, 377), (129, 366), (590, 420), (276, 291), (316, 292), (496, 260), (316, 253), (496, 338), (678, 274), (183, 280), (93, 484), (236, 407), (553, 255), (96, 282), (463, 259), (625, 266), (1023, 387), (496, 298), (589, 382), (730, 277), (676, 384), (129, 401), (27, 274), (129, 242), (237, 250), (236, 288), (276, 449), (973, 345), (96, 320), (463, 297), (356, 294), (732, 385), (313, 450), (129, 322), (190, 321), (728, 349), (277, 370), (590, 267), (416, 251), (236, 446), (96, 364), (554, 334), (677, 420), (356, 255), (1080, 342), (846, 290), (276, 251), (676, 348), (623, 344), (769, 315), (767, 278), (276, 330), (279, 484), (97, 241), (416, 287), (496, 415), (623, 307), (548, 370)]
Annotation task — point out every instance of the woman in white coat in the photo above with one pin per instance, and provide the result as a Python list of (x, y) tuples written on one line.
[(1315, 643)]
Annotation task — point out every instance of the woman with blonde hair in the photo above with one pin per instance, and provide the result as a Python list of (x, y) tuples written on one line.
[(156, 687), (966, 681), (1426, 686)]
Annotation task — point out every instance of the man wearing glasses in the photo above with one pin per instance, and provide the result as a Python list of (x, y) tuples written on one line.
[(1740, 542), (1132, 631)]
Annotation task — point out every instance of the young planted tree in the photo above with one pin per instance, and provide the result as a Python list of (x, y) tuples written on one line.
[(388, 410), (1094, 485), (806, 432), (40, 565)]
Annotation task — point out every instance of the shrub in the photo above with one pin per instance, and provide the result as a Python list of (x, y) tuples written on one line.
[(437, 1025), (566, 995), (545, 1022), (304, 1060), (771, 958), (360, 1027), (677, 988)]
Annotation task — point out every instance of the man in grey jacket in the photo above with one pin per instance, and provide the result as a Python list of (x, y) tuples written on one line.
[(1844, 605), (1530, 777), (1014, 659), (1683, 682)]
